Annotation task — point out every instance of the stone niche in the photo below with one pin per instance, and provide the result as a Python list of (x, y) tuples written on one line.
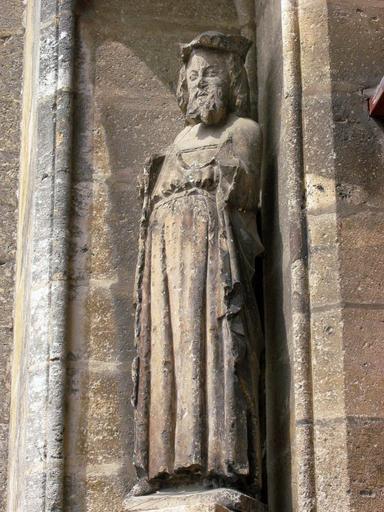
[(126, 68), (322, 225)]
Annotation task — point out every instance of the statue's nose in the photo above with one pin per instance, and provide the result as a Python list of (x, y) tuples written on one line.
[(201, 82)]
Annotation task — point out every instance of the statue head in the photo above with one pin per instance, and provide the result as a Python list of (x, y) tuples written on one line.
[(213, 80)]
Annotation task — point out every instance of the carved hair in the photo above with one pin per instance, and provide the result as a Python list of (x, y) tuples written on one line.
[(238, 89)]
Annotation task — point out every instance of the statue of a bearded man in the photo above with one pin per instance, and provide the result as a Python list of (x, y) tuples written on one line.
[(198, 331)]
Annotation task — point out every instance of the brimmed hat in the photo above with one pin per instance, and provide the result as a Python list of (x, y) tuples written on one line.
[(217, 41)]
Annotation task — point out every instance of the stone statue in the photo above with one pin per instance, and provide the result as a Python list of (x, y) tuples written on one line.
[(198, 331)]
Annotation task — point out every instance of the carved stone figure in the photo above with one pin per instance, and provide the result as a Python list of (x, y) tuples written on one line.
[(198, 331)]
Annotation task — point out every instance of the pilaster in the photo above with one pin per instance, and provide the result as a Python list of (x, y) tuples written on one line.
[(37, 418)]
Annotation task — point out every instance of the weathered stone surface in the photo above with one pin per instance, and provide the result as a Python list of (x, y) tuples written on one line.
[(126, 83), (37, 421), (11, 55), (342, 155), (364, 361), (365, 460), (359, 196), (363, 19), (216, 500), (361, 246), (327, 364), (321, 230), (11, 64), (92, 491), (324, 265), (331, 444)]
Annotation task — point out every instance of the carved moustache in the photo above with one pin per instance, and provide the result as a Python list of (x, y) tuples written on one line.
[(207, 105)]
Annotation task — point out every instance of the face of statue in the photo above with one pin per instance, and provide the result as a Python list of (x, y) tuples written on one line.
[(208, 86)]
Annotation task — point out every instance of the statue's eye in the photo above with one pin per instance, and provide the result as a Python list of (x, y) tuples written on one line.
[(210, 72), (193, 75)]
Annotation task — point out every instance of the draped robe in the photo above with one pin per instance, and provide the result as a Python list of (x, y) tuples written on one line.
[(198, 332)]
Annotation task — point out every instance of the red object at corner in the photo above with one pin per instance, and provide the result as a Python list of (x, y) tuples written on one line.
[(376, 102)]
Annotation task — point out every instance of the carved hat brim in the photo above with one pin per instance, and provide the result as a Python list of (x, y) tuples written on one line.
[(217, 41)]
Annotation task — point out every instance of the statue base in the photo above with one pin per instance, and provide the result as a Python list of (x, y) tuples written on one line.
[(214, 500)]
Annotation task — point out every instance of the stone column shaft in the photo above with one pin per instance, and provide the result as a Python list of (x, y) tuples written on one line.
[(38, 387), (300, 343)]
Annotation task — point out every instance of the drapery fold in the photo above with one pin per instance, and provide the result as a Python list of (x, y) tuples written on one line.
[(198, 332)]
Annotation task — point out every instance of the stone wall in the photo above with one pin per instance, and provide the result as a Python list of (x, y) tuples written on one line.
[(343, 155), (11, 68), (356, 49), (322, 218), (324, 357)]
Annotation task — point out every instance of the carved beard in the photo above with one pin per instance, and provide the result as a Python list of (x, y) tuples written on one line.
[(208, 106)]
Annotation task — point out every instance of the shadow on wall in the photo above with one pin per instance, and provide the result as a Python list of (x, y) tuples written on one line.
[(276, 241)]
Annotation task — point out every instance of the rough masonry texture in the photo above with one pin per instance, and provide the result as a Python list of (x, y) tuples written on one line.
[(36, 461), (11, 71), (316, 60), (98, 82)]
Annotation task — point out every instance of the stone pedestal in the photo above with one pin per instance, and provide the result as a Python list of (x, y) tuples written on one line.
[(215, 500)]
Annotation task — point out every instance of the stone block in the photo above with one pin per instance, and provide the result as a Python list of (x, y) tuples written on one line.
[(318, 143), (101, 324), (322, 230), (10, 129), (11, 65), (96, 487), (102, 245), (134, 130), (313, 21), (9, 172), (331, 464), (104, 416), (357, 148), (11, 16), (11, 57), (216, 500), (323, 278), (361, 248), (356, 59), (365, 463), (327, 364), (160, 21), (363, 361), (111, 325), (141, 85), (97, 491), (320, 193), (111, 255)]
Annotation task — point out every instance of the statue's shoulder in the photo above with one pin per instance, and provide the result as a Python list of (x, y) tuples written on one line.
[(181, 135), (244, 127), (246, 140)]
